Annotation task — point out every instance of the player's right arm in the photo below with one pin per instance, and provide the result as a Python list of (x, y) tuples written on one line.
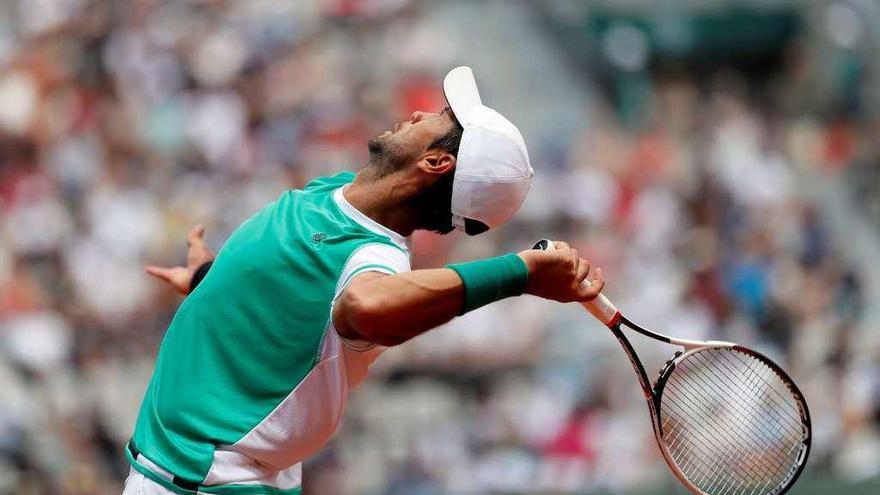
[(391, 309)]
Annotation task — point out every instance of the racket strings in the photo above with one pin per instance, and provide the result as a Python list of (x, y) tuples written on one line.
[(717, 473), (730, 423), (716, 476), (726, 460), (755, 381)]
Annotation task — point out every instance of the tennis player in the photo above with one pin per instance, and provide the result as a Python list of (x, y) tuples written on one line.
[(252, 376)]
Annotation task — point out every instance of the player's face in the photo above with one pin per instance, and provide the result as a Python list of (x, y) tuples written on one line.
[(409, 139), (422, 127), (404, 147)]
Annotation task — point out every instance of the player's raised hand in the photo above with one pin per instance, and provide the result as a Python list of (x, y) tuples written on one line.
[(180, 277), (558, 273)]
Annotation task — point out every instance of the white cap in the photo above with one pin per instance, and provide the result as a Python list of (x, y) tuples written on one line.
[(492, 171)]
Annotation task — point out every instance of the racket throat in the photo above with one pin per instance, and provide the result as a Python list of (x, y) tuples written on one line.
[(647, 389)]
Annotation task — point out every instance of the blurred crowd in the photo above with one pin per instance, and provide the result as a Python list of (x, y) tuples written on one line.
[(122, 124)]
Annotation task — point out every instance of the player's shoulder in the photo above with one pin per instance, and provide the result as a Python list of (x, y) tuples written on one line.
[(330, 182)]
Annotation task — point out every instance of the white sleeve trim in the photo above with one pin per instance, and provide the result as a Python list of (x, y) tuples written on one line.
[(369, 258), (372, 257)]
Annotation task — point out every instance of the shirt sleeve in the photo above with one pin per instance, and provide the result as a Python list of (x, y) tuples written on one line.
[(370, 258)]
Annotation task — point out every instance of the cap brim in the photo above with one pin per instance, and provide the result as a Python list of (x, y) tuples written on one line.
[(461, 92)]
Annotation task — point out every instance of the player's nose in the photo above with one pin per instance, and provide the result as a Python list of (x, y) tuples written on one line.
[(417, 116)]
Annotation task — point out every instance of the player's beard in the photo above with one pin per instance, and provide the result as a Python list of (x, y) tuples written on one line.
[(387, 156), (433, 206)]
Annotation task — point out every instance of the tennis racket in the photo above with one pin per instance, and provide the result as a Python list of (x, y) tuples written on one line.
[(728, 420)]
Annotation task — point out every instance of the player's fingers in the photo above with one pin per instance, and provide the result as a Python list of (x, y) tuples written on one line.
[(160, 273), (598, 280), (583, 270), (560, 246), (591, 290), (196, 235)]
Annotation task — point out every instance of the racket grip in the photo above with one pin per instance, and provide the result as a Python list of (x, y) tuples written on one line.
[(600, 307)]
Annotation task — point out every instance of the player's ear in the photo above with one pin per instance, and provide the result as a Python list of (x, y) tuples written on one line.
[(437, 162)]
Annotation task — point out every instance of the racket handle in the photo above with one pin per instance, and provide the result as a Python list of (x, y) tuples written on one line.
[(600, 307)]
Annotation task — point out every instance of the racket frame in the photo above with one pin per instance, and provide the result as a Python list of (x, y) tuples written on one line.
[(653, 393)]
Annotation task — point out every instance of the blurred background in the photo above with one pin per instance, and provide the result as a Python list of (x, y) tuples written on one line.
[(719, 159)]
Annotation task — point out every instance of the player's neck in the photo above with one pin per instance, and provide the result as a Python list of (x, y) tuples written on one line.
[(385, 202)]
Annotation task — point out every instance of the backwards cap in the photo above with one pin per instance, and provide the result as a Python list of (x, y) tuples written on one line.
[(492, 171)]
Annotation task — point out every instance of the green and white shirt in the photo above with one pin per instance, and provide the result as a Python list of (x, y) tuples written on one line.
[(251, 377)]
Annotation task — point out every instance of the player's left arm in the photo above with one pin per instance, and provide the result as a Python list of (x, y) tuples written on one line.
[(199, 258)]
